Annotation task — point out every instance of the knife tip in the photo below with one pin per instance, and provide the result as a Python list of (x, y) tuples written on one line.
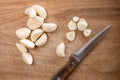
[(108, 26)]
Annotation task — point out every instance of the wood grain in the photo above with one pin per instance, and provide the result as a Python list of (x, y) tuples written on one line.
[(103, 63)]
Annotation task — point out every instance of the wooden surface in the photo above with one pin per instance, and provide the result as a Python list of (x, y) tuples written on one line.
[(103, 63)]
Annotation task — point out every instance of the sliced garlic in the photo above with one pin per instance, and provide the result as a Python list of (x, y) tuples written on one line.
[(35, 34), (87, 32), (49, 27), (40, 10), (23, 33), (60, 50), (27, 43), (42, 40), (30, 12), (27, 58), (82, 24), (34, 23), (72, 25), (70, 35), (21, 48), (75, 18)]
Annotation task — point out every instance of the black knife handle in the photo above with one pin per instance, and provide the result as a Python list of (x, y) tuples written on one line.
[(63, 73)]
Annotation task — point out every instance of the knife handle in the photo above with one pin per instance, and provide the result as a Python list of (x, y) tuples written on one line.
[(63, 73)]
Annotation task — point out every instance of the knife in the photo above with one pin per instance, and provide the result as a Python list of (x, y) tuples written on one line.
[(77, 57)]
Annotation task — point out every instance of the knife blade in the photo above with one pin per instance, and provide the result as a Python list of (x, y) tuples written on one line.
[(77, 57)]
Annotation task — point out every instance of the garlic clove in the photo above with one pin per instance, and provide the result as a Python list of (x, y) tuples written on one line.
[(30, 12), (42, 40), (87, 32), (75, 18), (35, 34), (72, 25), (70, 35), (23, 33), (27, 43), (27, 58), (34, 23), (40, 10), (82, 24), (60, 50), (49, 27), (21, 48)]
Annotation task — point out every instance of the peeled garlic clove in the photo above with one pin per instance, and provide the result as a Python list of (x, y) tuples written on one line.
[(87, 32), (27, 43), (42, 40), (70, 35), (27, 58), (34, 23), (82, 25), (60, 50), (72, 25), (40, 10), (30, 12), (21, 48), (35, 34), (22, 33), (75, 18), (49, 27)]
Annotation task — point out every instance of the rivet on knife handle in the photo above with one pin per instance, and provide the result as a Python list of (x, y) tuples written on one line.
[(66, 70)]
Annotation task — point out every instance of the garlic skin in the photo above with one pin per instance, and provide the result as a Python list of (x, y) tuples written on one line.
[(27, 58), (60, 50), (34, 23), (40, 11), (82, 24), (70, 35), (42, 40), (23, 33), (30, 12), (87, 32), (36, 34), (72, 25), (27, 43), (49, 27), (21, 48)]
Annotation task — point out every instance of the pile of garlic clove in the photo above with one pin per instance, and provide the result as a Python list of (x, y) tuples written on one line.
[(35, 34), (74, 24), (80, 24)]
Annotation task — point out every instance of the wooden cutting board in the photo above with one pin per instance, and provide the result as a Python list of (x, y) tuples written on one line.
[(102, 63)]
